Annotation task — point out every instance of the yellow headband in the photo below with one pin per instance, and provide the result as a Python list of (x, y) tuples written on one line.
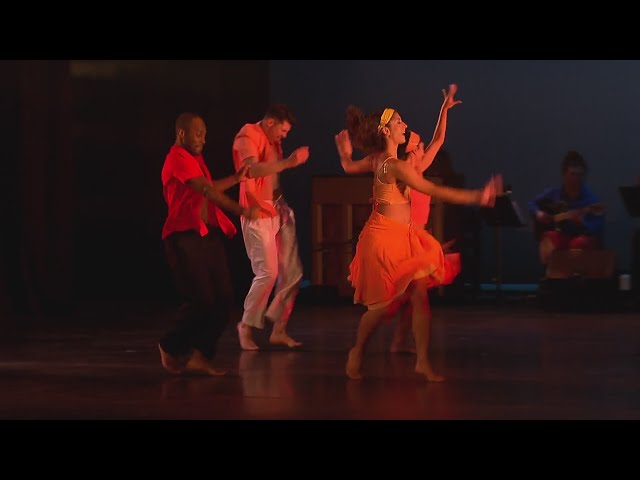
[(385, 117)]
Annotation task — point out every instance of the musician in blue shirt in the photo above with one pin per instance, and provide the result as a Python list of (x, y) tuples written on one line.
[(569, 217)]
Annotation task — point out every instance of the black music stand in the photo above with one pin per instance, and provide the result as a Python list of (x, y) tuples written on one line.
[(631, 198), (505, 213)]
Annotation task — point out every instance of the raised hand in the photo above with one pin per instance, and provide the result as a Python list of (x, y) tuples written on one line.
[(449, 100), (343, 143), (415, 156), (299, 156), (492, 189)]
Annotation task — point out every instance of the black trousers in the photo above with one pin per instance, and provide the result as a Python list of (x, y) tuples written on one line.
[(201, 273)]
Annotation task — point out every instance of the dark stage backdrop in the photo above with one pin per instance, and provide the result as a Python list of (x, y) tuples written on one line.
[(83, 208), (518, 117)]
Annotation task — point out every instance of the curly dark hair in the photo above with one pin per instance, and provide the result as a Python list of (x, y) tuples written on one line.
[(280, 113), (363, 130), (573, 159)]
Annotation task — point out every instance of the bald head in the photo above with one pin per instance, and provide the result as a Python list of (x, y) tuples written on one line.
[(191, 132), (184, 120)]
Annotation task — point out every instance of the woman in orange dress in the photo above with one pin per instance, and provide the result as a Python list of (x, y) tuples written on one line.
[(395, 263), (421, 157)]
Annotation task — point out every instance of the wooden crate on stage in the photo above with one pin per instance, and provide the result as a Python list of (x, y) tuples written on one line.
[(340, 206)]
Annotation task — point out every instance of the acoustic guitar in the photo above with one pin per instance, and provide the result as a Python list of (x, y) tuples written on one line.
[(559, 214)]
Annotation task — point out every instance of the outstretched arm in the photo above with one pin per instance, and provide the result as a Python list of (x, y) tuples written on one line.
[(228, 182), (441, 129), (261, 169), (407, 174), (214, 195)]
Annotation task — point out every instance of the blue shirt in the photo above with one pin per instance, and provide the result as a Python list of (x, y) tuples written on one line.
[(555, 200)]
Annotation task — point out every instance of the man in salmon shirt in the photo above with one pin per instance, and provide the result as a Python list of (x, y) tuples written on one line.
[(192, 237), (270, 240)]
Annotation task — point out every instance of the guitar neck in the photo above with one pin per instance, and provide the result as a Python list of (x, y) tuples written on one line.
[(596, 207)]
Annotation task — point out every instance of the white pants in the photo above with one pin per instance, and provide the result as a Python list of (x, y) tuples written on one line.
[(272, 248)]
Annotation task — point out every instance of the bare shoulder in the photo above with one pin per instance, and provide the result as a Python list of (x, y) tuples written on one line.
[(395, 163), (380, 159)]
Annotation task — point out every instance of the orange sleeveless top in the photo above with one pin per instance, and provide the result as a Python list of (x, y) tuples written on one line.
[(388, 193)]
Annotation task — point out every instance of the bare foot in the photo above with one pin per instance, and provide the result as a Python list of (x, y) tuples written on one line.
[(244, 335), (199, 364), (428, 373), (281, 338), (354, 362), (170, 363)]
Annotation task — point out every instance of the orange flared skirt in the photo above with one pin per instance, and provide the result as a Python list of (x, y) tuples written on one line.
[(390, 255)]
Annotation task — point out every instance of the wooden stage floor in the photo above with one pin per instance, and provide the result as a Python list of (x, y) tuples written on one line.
[(511, 361)]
